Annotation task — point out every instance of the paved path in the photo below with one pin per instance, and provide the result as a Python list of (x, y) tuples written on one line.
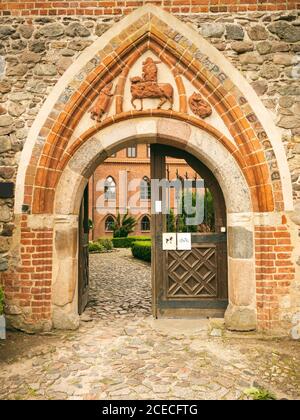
[(120, 286), (120, 352)]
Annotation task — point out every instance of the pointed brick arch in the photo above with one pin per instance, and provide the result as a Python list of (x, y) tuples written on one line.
[(184, 58)]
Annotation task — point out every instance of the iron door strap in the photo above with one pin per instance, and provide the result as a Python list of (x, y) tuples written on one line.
[(201, 304)]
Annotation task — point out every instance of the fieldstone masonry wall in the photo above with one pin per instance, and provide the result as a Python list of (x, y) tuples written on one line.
[(35, 51)]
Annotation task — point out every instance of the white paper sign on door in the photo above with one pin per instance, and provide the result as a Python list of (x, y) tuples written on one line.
[(158, 207), (184, 241), (169, 241)]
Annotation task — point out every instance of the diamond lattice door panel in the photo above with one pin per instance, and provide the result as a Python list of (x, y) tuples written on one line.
[(192, 274), (189, 283)]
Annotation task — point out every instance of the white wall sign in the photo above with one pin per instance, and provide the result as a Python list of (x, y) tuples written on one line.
[(157, 206), (169, 241), (184, 241)]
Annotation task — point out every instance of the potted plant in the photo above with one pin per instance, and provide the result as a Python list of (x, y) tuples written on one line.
[(2, 317)]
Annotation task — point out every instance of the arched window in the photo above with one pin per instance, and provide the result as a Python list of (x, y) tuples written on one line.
[(145, 188), (145, 224), (110, 188), (109, 222)]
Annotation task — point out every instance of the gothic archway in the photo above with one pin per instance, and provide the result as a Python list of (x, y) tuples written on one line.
[(202, 146), (235, 138)]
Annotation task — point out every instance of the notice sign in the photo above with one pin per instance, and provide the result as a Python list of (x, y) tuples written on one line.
[(158, 207), (169, 241), (184, 241)]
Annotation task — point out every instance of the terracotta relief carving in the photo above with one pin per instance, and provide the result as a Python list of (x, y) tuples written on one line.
[(150, 70), (148, 87), (102, 104), (199, 106)]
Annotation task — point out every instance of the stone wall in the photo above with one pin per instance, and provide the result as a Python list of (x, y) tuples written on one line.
[(36, 51), (266, 49)]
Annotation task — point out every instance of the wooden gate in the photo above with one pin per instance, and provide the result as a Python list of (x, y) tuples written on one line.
[(190, 283), (83, 254)]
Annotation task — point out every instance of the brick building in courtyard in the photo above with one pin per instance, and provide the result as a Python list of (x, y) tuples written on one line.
[(104, 188)]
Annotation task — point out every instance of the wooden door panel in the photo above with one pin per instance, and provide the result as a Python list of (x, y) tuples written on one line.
[(158, 225), (83, 254), (192, 274), (189, 283)]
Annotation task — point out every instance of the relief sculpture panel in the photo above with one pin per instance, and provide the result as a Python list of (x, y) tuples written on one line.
[(147, 86)]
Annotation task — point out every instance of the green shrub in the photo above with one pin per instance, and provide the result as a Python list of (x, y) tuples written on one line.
[(142, 250), (1, 301), (95, 247), (259, 394), (140, 238), (122, 242), (106, 243), (128, 241)]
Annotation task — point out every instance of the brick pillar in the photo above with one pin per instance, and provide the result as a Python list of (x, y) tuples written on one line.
[(275, 273), (28, 288)]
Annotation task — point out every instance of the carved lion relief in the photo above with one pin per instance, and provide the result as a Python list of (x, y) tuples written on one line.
[(102, 104), (199, 106)]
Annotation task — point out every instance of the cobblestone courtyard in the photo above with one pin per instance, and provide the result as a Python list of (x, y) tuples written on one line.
[(120, 352)]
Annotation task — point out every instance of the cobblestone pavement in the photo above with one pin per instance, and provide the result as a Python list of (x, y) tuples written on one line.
[(120, 286), (120, 352)]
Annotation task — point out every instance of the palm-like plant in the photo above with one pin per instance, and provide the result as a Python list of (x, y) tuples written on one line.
[(123, 225)]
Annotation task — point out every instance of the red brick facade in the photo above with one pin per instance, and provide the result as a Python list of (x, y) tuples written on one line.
[(116, 7), (29, 286), (136, 169), (275, 272)]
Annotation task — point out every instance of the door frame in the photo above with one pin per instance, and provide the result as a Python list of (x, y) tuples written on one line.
[(83, 252), (241, 312), (194, 308)]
